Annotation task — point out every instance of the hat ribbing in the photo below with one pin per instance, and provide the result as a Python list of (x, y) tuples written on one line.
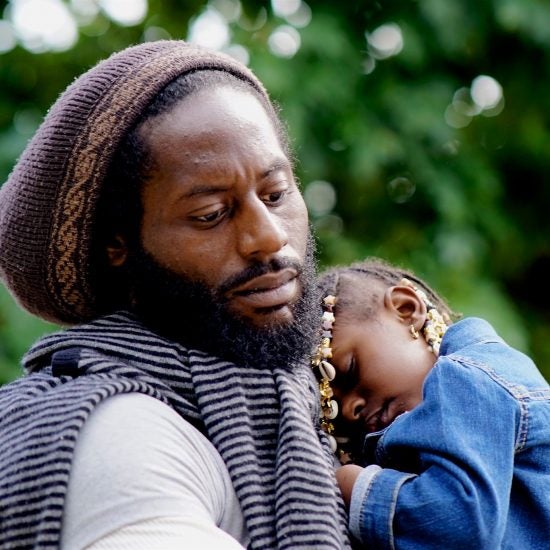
[(47, 206)]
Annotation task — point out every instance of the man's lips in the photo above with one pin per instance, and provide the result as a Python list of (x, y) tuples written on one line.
[(268, 290)]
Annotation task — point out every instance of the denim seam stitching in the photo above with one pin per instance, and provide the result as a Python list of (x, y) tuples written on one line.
[(519, 393), (523, 426), (391, 515), (515, 390), (366, 497)]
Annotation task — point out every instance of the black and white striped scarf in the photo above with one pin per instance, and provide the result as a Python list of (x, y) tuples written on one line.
[(259, 420)]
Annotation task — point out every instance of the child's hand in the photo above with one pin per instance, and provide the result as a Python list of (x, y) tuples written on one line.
[(346, 476)]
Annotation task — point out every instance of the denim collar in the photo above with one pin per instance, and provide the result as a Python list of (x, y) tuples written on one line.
[(467, 332)]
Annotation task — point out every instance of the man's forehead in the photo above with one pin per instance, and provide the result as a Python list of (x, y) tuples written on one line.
[(207, 129), (213, 105)]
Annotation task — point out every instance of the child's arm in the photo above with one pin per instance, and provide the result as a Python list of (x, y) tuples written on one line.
[(346, 477), (464, 434)]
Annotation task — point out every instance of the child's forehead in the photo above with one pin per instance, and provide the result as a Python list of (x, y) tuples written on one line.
[(352, 283), (358, 295)]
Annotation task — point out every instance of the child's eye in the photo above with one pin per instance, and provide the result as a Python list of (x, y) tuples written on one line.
[(352, 367), (347, 379)]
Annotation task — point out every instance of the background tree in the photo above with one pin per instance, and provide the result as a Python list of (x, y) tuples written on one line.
[(421, 129)]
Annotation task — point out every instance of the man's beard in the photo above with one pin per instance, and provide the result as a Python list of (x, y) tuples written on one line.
[(191, 313)]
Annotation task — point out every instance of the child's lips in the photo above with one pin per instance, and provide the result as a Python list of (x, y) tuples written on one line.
[(372, 421), (381, 418)]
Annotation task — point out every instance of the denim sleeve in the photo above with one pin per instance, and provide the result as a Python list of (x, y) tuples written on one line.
[(381, 502), (464, 435)]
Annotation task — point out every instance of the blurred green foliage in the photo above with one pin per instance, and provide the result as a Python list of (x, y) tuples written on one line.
[(393, 155)]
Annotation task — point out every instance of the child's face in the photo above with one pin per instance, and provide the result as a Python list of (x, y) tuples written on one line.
[(380, 370)]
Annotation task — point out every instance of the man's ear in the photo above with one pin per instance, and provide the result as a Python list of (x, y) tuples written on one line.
[(405, 303), (117, 251)]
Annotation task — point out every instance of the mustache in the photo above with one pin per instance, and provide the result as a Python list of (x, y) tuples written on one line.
[(258, 269)]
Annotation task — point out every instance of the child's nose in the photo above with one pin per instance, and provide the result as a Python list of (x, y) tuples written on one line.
[(352, 407)]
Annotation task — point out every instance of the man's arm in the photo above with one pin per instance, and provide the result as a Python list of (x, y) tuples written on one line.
[(144, 477)]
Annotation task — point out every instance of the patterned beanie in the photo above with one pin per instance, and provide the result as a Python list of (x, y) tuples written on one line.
[(47, 206)]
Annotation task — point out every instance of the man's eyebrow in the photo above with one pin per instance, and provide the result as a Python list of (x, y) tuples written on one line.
[(279, 164), (203, 190)]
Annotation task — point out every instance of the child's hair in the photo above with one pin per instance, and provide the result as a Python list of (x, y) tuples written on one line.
[(357, 296)]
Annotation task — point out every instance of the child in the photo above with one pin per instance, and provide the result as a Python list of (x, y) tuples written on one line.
[(457, 451)]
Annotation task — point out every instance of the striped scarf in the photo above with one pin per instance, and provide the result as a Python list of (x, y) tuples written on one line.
[(260, 421)]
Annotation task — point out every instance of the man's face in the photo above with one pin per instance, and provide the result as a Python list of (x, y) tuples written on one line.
[(221, 206)]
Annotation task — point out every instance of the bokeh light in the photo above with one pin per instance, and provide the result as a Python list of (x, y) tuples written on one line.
[(284, 41), (486, 92), (43, 25), (52, 25), (238, 52), (301, 17), (320, 197), (229, 9), (26, 121), (125, 12), (209, 29), (484, 97), (369, 64), (253, 23), (7, 37), (284, 8), (401, 189), (84, 11), (152, 33), (331, 224), (385, 41)]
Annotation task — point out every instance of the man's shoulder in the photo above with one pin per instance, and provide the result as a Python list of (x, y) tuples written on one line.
[(152, 462), (143, 424)]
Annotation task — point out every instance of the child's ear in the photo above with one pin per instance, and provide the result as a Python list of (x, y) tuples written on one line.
[(405, 303), (117, 251)]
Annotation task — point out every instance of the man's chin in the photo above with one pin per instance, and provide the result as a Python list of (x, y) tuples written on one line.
[(259, 326)]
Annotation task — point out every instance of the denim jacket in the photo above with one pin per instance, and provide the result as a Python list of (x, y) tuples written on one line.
[(470, 466)]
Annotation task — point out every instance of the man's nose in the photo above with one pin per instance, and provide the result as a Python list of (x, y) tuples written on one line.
[(260, 231)]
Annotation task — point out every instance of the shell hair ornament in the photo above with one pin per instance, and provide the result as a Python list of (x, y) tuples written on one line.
[(326, 371)]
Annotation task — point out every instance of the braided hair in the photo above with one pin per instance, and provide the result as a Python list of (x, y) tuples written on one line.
[(357, 287)]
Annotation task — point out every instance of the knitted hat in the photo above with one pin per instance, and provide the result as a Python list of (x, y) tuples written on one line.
[(47, 205)]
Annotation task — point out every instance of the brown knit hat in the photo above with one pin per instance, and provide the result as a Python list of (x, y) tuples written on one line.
[(47, 205)]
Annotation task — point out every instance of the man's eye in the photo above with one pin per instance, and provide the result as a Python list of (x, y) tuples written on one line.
[(273, 198), (211, 217)]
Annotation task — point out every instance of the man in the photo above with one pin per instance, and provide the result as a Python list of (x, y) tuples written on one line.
[(156, 211)]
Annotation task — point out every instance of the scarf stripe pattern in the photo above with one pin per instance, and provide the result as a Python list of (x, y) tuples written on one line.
[(259, 420)]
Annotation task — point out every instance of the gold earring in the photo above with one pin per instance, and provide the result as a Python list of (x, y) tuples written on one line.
[(414, 332)]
